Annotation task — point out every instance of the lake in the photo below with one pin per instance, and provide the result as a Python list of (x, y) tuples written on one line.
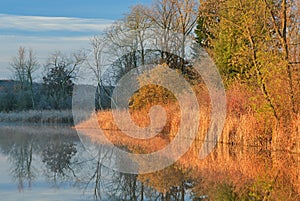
[(51, 164)]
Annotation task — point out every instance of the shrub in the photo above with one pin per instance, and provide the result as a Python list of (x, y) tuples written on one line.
[(153, 94), (8, 102)]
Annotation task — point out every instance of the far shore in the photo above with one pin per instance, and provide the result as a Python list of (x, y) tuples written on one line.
[(51, 117)]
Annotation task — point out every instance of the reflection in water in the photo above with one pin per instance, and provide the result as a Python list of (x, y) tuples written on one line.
[(57, 157), (20, 157), (94, 179), (229, 173)]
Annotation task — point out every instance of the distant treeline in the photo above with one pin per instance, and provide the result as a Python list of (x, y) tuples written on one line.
[(12, 98)]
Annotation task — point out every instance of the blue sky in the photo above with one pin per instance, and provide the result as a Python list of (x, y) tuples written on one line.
[(48, 26), (111, 9)]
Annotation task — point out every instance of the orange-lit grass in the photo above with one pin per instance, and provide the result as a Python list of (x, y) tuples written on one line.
[(141, 118), (243, 125), (244, 167)]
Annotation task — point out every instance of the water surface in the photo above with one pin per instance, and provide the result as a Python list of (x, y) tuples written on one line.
[(50, 163)]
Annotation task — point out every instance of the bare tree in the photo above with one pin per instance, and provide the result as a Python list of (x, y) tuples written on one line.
[(173, 21), (19, 67), (162, 14), (185, 19), (24, 66), (146, 32), (138, 23), (31, 66), (120, 40), (97, 64), (124, 47)]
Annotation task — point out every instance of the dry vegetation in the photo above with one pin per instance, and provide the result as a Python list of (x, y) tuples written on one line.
[(38, 117), (257, 157), (245, 125)]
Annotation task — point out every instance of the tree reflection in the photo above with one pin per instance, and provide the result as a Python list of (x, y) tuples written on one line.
[(127, 186), (20, 157), (229, 173), (57, 157), (95, 178), (172, 182), (105, 183)]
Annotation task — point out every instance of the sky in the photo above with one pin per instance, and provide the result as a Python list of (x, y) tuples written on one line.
[(56, 25)]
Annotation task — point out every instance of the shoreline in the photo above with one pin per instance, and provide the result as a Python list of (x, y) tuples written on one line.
[(38, 117)]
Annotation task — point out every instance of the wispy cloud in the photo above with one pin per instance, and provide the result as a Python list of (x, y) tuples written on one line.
[(39, 23), (44, 35)]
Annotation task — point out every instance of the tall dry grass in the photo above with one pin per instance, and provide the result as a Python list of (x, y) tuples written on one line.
[(261, 163), (244, 125)]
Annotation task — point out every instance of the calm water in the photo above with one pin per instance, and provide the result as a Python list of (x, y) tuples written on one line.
[(47, 163), (51, 164)]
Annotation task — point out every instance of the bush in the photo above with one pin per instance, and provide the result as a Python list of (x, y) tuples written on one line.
[(8, 102), (23, 100), (152, 94)]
